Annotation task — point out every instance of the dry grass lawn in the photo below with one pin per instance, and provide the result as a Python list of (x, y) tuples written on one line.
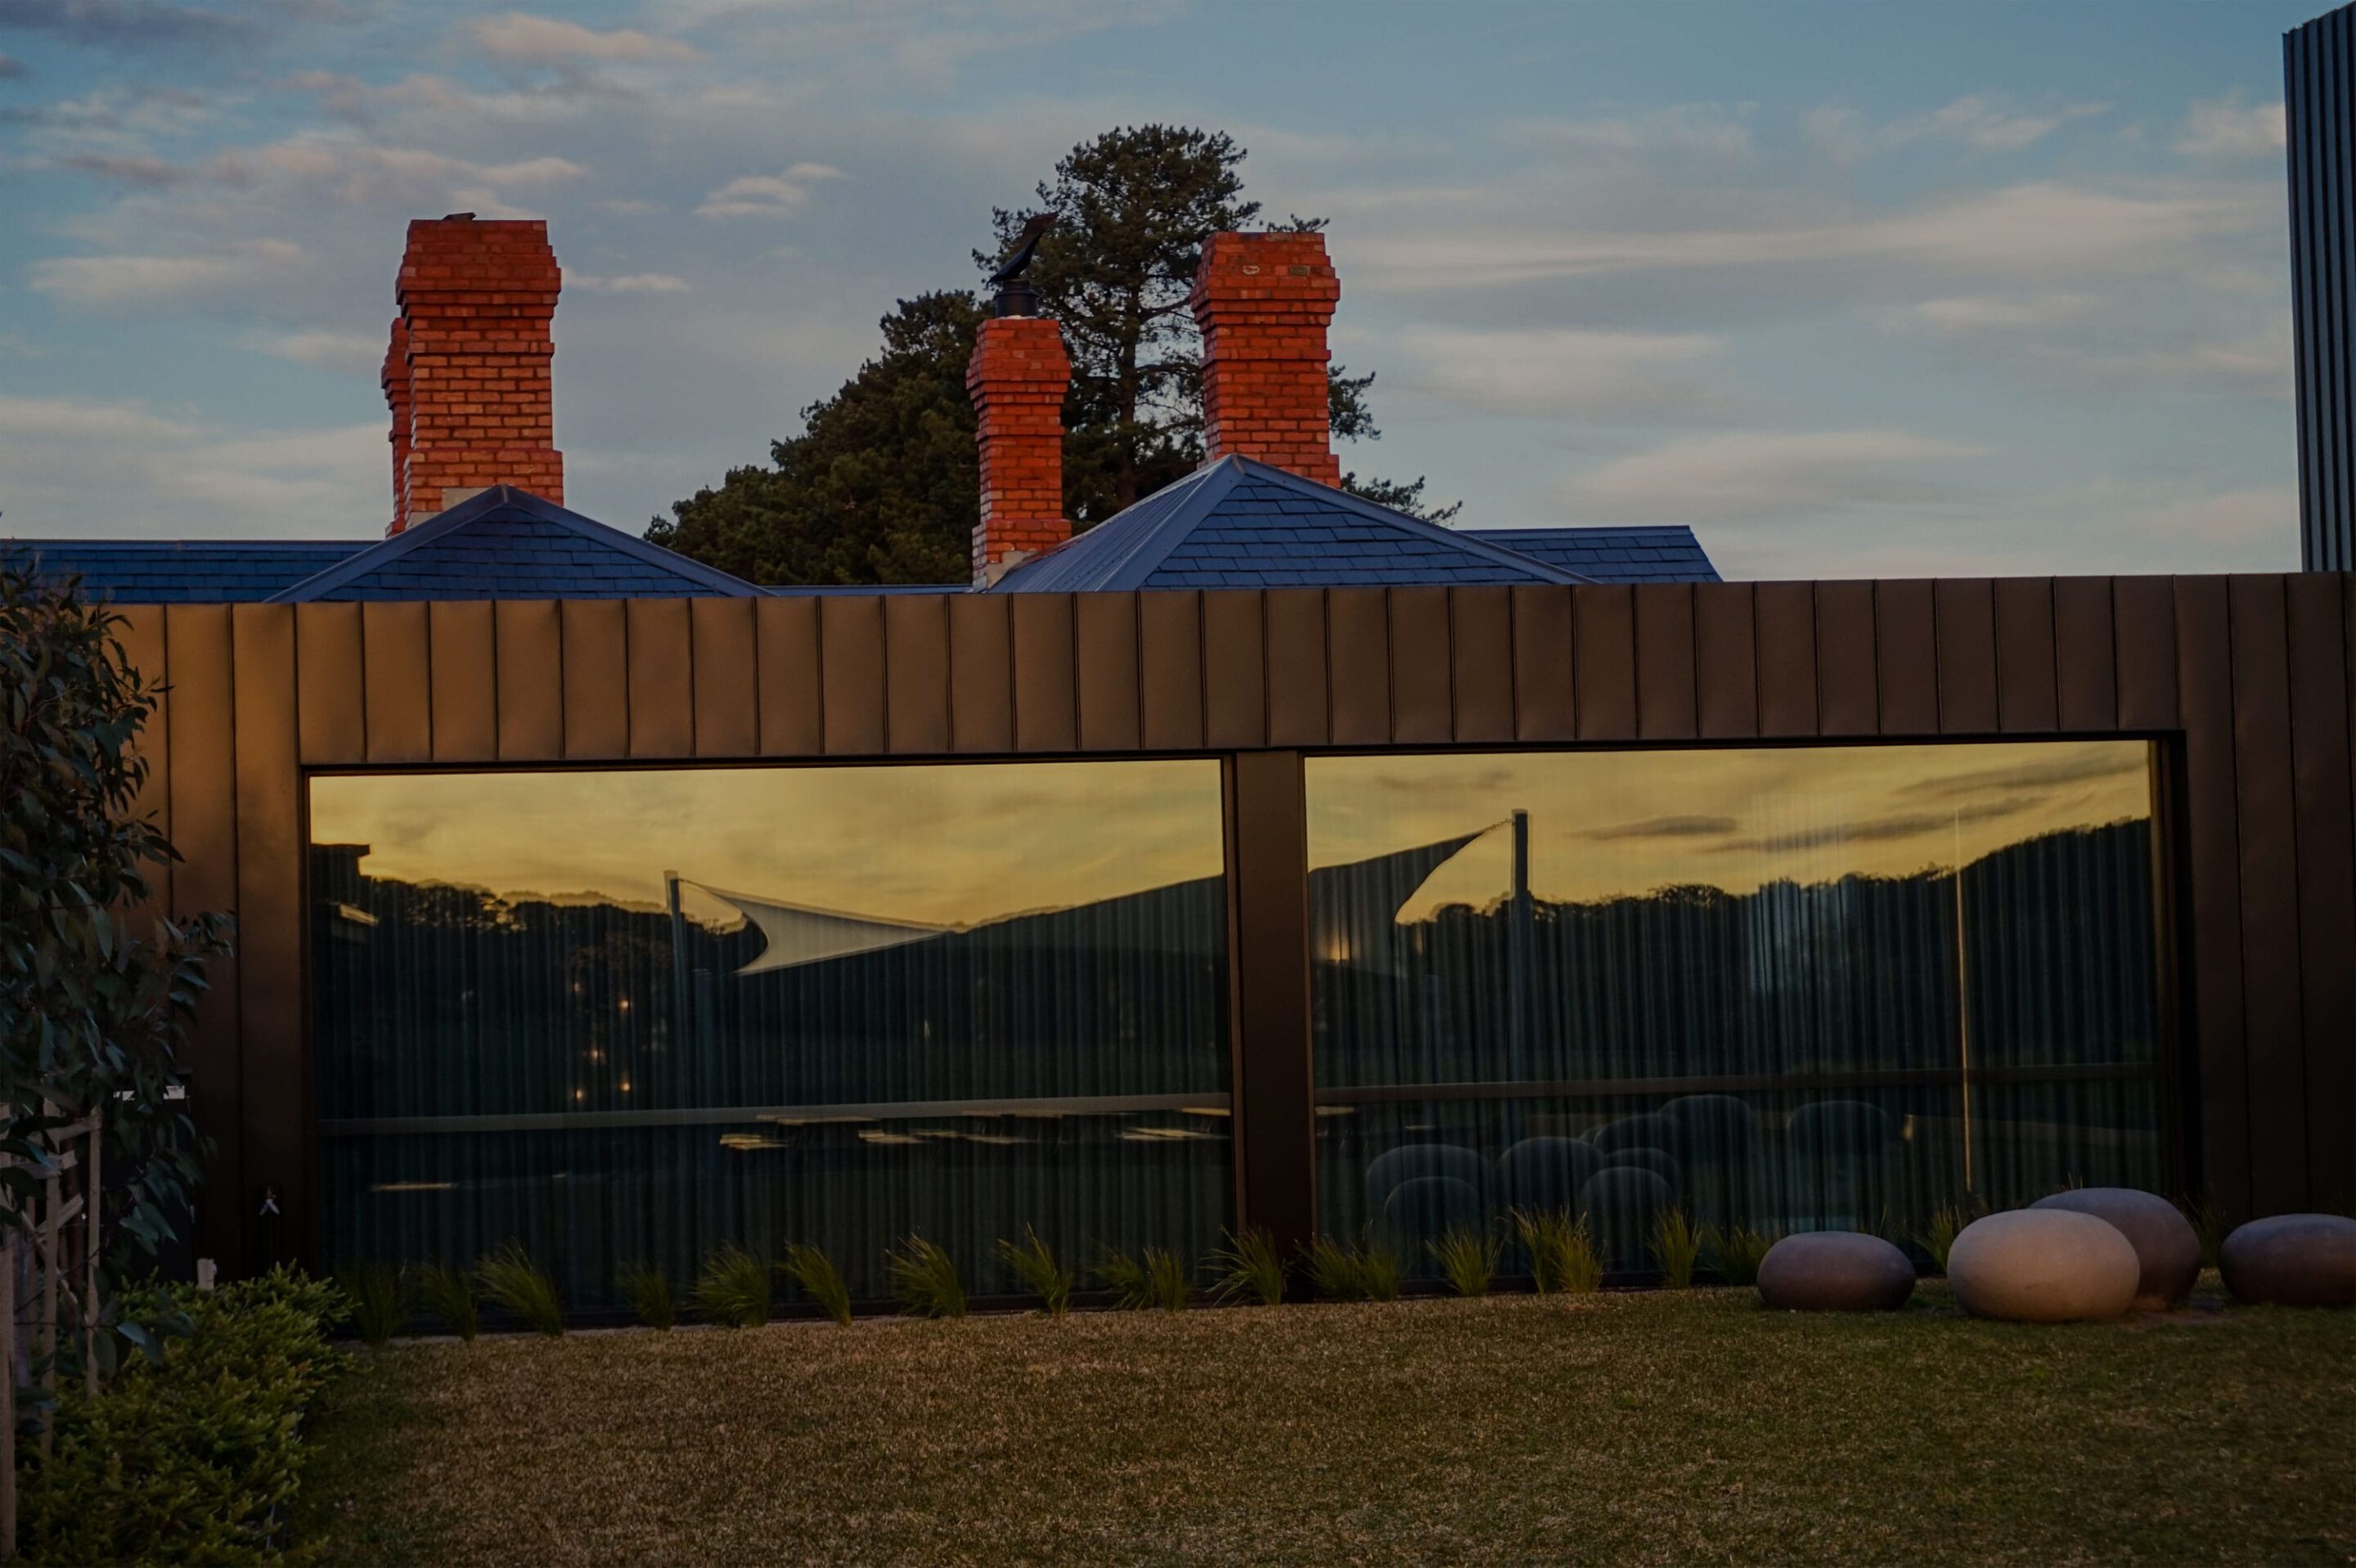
[(1628, 1429)]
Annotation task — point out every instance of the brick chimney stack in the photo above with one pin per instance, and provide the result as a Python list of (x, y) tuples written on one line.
[(467, 377), (1017, 379), (1263, 302)]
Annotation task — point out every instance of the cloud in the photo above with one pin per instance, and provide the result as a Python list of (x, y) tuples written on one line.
[(12, 69), (172, 474), (1750, 476), (326, 350), (2232, 526), (629, 283), (525, 40), (1563, 372), (1984, 122), (2078, 768), (2083, 340), (124, 24), (105, 281), (1705, 130), (766, 196), (1963, 315), (150, 173), (2228, 128), (1665, 827), (1878, 830)]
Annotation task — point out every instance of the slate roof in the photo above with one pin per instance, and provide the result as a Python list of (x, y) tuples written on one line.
[(1241, 524), (1612, 555), (181, 571)]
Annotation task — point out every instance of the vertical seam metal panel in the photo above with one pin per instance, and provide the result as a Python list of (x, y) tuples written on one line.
[(465, 695), (727, 675), (1358, 656), (595, 646), (982, 673), (529, 636), (1169, 668), (1104, 655), (1906, 646), (2269, 892), (2028, 683), (397, 679), (1422, 683), (661, 666), (1046, 683), (1297, 701), (1964, 620), (198, 652), (2205, 692), (1544, 699), (1235, 668), (1848, 662), (273, 1061), (330, 703), (1668, 698), (2325, 827), (1726, 661), (917, 695), (1603, 661), (2085, 655), (1787, 619), (1480, 663), (853, 685)]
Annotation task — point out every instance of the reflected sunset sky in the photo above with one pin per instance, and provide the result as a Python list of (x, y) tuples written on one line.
[(1604, 824), (949, 845)]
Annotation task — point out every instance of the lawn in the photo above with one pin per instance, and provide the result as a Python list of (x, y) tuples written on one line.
[(1627, 1428)]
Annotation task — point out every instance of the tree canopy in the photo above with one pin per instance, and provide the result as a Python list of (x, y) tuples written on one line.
[(882, 483)]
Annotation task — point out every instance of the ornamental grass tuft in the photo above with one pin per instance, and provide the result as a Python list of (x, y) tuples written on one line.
[(1947, 1222), (1740, 1249), (448, 1294), (1373, 1271), (648, 1290), (1562, 1251), (379, 1300), (816, 1277), (1675, 1246), (733, 1288), (1156, 1277), (510, 1278), (1250, 1268), (1467, 1258), (1041, 1273), (924, 1279)]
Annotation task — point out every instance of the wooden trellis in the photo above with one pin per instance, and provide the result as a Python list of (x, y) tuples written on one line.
[(45, 1248)]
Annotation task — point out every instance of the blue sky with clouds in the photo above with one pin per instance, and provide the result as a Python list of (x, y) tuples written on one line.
[(1853, 290)]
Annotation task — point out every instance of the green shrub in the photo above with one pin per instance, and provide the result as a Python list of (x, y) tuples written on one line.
[(1740, 1249), (1467, 1258), (509, 1277), (449, 1295), (1035, 1264), (196, 1456), (2209, 1226), (924, 1279), (733, 1288), (648, 1290), (1250, 1268), (379, 1304), (819, 1280), (1372, 1272), (1562, 1251), (1154, 1277), (1675, 1246)]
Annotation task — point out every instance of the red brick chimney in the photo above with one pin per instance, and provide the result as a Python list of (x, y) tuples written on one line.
[(1017, 379), (475, 408), (1263, 302)]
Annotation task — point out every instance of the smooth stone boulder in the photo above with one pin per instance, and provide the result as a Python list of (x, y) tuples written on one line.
[(1841, 1130), (2043, 1265), (1659, 1161), (1646, 1131), (2166, 1248), (2292, 1260), (1622, 1201), (1834, 1271), (1713, 1129)]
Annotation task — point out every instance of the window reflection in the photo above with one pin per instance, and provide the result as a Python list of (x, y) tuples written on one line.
[(1792, 988), (622, 1017)]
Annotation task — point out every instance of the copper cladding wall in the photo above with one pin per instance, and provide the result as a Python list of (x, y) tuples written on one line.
[(2247, 679)]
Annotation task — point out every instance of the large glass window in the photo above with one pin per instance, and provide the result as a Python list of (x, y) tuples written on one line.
[(1794, 989), (624, 1017)]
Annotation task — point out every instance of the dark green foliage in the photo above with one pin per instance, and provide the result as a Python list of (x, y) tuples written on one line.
[(925, 1280), (819, 1280), (194, 1457), (1154, 1277), (733, 1288), (449, 1295), (882, 484), (1741, 1249), (2207, 1225), (648, 1290), (1947, 1222), (509, 1277), (1561, 1249), (1467, 1258), (1675, 1246), (1250, 1268), (95, 993), (379, 1300), (1035, 1264)]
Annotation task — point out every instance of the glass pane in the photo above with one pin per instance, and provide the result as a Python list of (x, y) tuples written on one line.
[(1872, 1159), (626, 1016), (1839, 922)]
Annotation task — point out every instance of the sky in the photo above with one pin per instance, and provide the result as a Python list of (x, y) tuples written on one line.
[(1852, 290), (961, 845)]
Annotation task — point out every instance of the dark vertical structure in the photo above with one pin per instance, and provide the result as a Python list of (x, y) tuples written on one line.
[(2318, 73)]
